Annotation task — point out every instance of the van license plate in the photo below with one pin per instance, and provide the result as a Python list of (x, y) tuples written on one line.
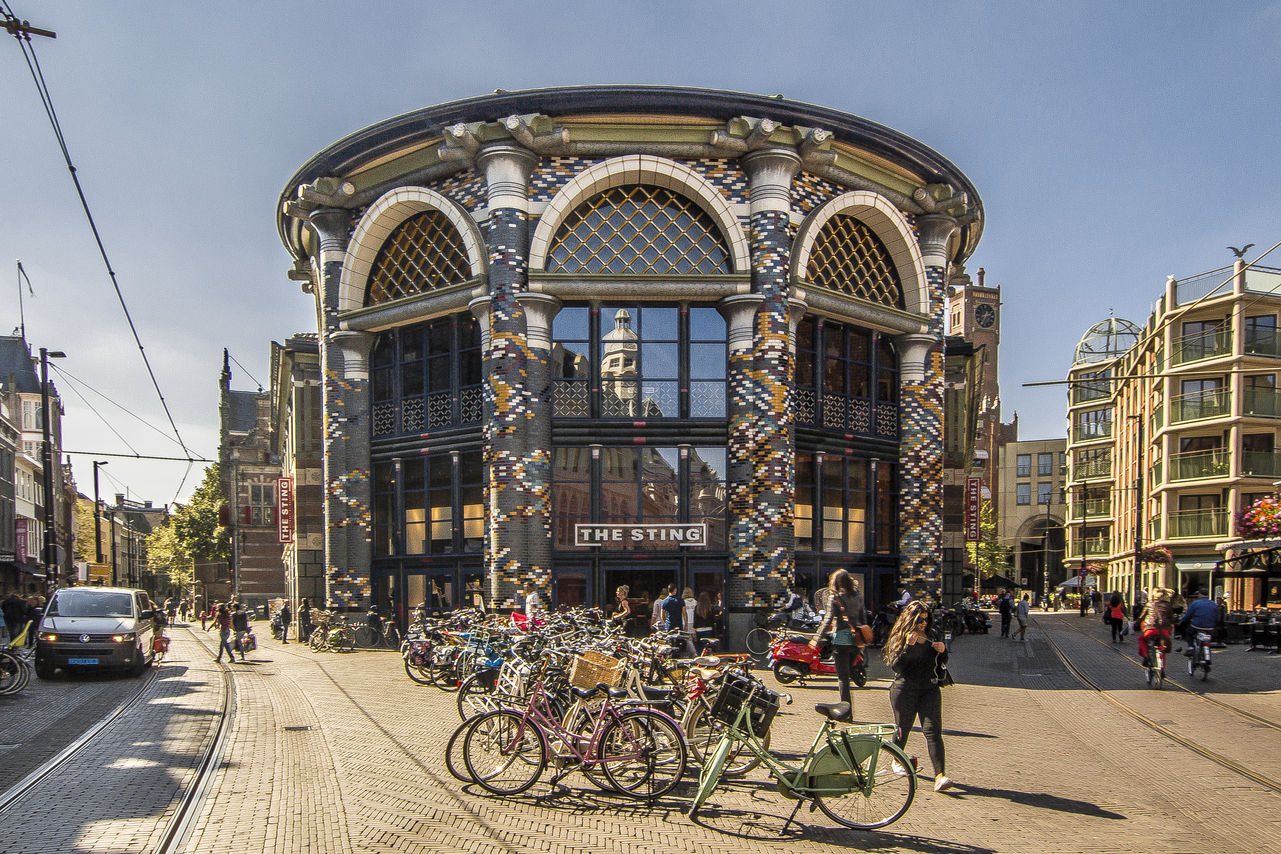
[(82, 661)]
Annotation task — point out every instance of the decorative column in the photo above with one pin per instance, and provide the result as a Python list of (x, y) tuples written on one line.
[(345, 396), (518, 534), (921, 423), (762, 473)]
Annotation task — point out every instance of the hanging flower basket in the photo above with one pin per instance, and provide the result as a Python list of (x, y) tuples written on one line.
[(1156, 554), (1260, 519), (1093, 569)]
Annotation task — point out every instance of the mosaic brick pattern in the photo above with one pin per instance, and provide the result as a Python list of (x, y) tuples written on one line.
[(468, 188), (553, 173), (725, 175), (518, 501), (809, 191), (761, 421), (921, 460)]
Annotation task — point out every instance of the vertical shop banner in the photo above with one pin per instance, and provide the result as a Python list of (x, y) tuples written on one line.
[(973, 501), (20, 539), (285, 509)]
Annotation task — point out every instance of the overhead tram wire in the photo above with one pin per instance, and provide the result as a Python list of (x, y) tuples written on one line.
[(22, 32), (77, 381), (101, 417)]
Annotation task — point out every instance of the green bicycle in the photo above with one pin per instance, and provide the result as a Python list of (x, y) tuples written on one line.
[(854, 773)]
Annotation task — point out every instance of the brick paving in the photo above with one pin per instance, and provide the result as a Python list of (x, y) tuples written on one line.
[(119, 792)]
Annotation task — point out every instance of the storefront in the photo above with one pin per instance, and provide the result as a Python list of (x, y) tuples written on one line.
[(625, 336)]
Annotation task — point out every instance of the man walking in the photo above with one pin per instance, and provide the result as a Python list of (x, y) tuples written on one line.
[(286, 617), (1006, 609), (240, 623), (1023, 616)]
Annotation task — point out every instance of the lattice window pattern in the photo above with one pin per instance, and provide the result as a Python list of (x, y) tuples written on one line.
[(639, 229), (848, 257), (425, 252)]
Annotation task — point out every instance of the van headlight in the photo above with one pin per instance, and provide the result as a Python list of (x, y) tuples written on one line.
[(48, 636), (125, 638)]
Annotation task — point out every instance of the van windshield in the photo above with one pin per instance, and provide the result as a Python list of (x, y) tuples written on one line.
[(90, 603)]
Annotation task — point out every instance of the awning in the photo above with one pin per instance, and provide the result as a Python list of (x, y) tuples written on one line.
[(1073, 582)]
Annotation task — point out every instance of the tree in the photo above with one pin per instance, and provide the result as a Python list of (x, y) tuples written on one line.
[(988, 556), (83, 551), (192, 533)]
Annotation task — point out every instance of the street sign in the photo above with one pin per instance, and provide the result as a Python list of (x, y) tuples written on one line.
[(973, 501), (285, 509)]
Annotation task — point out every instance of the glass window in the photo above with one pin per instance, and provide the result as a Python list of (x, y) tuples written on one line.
[(262, 504), (427, 377), (1023, 493), (836, 366), (886, 508), (1044, 464), (1024, 465), (848, 257), (1044, 493), (1261, 335), (708, 493), (424, 252)]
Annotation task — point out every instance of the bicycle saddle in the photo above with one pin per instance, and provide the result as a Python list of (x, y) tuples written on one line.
[(614, 693), (840, 712), (705, 674)]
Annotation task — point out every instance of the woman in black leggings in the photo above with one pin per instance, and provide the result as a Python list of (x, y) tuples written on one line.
[(915, 657)]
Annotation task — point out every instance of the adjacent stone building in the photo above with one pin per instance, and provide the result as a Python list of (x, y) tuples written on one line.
[(594, 336), (296, 433)]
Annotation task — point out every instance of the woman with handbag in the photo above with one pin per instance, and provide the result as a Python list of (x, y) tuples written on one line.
[(845, 614), (918, 660)]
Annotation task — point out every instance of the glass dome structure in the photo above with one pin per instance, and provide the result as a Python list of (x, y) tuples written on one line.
[(1106, 340)]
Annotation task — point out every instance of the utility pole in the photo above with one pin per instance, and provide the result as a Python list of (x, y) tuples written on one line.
[(20, 29), (50, 555), (1138, 518), (97, 512)]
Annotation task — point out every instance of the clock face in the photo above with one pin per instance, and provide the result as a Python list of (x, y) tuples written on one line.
[(985, 316)]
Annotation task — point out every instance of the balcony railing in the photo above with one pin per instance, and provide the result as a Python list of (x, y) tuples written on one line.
[(1261, 403), (1201, 345), (1200, 405), (1094, 547), (1198, 523), (1086, 391), (1261, 463), (1154, 474), (1093, 508), (1089, 431), (1262, 343), (1157, 421), (1199, 464), (1154, 530), (1086, 469)]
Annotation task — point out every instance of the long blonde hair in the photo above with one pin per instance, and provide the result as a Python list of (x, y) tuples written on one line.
[(903, 627)]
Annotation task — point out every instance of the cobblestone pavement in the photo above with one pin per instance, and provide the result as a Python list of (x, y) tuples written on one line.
[(1041, 762), (119, 792)]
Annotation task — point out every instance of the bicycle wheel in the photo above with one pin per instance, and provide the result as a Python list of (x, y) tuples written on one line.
[(891, 795), (391, 637), (478, 694), (454, 760), (420, 675), (504, 754), (10, 674), (643, 754), (364, 637), (583, 724), (711, 775), (317, 640), (703, 732), (758, 641)]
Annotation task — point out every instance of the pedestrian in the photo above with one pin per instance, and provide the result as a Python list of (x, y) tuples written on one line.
[(704, 622), (222, 619), (206, 616), (687, 596), (240, 622), (286, 617), (533, 603), (673, 612), (14, 609), (35, 610), (1115, 616), (657, 618), (622, 606), (1022, 613), (1006, 609), (1096, 600), (845, 612), (304, 621), (184, 608), (916, 656)]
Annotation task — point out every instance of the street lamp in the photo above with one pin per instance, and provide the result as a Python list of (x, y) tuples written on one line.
[(97, 511), (46, 460)]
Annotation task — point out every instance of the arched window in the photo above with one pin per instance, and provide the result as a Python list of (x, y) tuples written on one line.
[(638, 229), (849, 258), (425, 252)]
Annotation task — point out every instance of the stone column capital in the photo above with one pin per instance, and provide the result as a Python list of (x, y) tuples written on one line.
[(540, 310), (333, 227), (915, 348), (355, 346), (479, 308), (770, 172), (935, 232), (507, 168), (739, 312), (796, 308)]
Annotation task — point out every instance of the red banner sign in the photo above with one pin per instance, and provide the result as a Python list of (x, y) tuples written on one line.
[(21, 539), (285, 509), (973, 503)]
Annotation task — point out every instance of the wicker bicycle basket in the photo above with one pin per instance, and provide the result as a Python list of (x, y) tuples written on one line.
[(592, 668)]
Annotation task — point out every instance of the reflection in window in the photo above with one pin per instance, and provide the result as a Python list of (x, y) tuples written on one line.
[(836, 366), (427, 376), (803, 524)]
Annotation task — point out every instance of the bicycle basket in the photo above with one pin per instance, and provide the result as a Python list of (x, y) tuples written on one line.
[(736, 690), (591, 668)]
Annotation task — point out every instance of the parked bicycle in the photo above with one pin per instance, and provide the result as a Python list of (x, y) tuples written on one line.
[(854, 773), (15, 662)]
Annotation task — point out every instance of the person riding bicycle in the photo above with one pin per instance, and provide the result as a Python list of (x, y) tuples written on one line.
[(1155, 621), (1202, 615), (795, 608)]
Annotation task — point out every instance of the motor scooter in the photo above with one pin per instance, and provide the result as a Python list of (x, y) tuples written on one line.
[(793, 660)]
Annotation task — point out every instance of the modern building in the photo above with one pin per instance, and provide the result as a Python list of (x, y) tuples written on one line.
[(1032, 521), (593, 336), (249, 470), (296, 432), (1174, 429)]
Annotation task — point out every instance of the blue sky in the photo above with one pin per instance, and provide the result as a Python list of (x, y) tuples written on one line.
[(1113, 144)]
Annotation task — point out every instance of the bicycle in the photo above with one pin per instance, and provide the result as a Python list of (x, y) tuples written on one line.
[(1199, 658), (853, 773), (15, 662), (1154, 661), (761, 638)]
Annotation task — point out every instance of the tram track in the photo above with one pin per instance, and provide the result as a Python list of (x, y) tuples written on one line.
[(187, 806), (1201, 750), (1249, 716)]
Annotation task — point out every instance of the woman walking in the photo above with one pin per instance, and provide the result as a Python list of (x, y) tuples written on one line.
[(222, 619), (844, 612), (915, 657), (1116, 616), (622, 606)]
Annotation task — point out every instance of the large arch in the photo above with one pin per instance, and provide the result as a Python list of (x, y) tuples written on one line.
[(382, 218), (639, 169), (888, 223)]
